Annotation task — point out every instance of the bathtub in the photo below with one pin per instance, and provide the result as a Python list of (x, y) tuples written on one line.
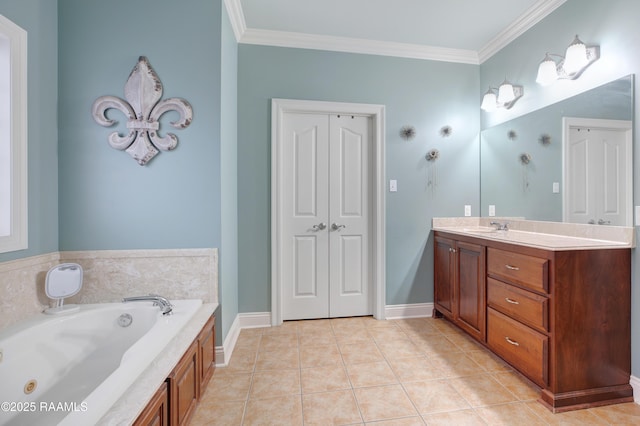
[(70, 369)]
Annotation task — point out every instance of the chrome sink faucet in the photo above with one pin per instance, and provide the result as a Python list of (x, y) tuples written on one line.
[(165, 306), (500, 226)]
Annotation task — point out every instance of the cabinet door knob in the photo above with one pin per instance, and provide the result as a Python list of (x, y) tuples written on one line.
[(513, 302), (513, 268), (513, 342)]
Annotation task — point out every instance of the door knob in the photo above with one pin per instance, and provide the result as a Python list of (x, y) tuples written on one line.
[(337, 227), (319, 227)]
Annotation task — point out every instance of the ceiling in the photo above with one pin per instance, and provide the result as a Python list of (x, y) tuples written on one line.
[(468, 31)]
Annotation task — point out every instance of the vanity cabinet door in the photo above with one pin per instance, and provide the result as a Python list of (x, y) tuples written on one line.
[(156, 413), (444, 276), (470, 291), (184, 391), (207, 355)]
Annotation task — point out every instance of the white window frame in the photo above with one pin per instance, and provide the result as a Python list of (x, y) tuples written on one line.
[(15, 203)]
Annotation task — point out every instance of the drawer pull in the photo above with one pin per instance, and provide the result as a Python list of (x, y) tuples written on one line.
[(513, 302), (513, 268), (513, 342)]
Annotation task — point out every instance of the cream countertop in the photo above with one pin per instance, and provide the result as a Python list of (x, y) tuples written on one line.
[(553, 236)]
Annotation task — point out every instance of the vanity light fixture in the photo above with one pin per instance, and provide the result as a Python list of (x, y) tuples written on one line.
[(507, 95), (577, 58)]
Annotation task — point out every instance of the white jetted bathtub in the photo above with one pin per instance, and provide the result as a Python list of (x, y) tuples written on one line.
[(71, 369)]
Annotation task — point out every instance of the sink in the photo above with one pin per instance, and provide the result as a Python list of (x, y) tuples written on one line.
[(481, 230)]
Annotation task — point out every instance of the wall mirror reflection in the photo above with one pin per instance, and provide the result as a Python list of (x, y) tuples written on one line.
[(570, 161)]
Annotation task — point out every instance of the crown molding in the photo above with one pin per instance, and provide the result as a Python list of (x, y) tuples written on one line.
[(236, 16), (531, 17), (354, 45)]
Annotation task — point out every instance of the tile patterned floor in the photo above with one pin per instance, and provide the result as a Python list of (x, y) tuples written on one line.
[(360, 371)]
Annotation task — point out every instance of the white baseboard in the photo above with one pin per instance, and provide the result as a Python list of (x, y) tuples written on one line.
[(635, 384), (250, 320), (414, 310)]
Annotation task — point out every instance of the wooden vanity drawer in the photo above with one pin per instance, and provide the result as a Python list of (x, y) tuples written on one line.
[(528, 271), (521, 346), (525, 306)]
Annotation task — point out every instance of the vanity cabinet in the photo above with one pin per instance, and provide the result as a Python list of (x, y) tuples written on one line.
[(560, 317), (176, 400), (460, 284)]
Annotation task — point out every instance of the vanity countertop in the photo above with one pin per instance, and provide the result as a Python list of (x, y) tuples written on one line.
[(553, 236)]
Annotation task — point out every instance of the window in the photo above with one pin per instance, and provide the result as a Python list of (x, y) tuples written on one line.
[(13, 136)]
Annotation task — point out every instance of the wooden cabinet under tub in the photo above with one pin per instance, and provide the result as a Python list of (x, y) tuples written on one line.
[(176, 400), (560, 317)]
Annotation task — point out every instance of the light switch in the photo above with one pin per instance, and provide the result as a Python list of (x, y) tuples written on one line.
[(556, 187), (492, 210), (467, 210), (637, 215), (393, 185)]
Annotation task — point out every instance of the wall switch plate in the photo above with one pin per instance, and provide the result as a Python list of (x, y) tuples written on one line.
[(467, 210), (556, 187), (393, 185), (637, 215), (492, 210)]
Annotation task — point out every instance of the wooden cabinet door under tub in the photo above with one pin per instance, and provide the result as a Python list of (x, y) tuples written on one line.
[(562, 318), (459, 284), (156, 412)]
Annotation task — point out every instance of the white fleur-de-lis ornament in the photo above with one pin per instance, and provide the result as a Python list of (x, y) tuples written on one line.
[(143, 109)]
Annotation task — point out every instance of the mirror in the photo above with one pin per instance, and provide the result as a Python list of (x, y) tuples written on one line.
[(535, 166)]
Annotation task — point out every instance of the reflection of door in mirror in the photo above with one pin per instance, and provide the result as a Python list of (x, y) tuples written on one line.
[(597, 166)]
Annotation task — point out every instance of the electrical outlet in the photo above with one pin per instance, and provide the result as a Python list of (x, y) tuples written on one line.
[(492, 210), (393, 185), (556, 187), (467, 210)]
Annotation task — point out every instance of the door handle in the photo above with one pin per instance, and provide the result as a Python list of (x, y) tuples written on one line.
[(604, 222), (336, 227), (319, 227)]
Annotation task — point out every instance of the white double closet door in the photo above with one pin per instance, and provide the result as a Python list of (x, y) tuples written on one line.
[(326, 216)]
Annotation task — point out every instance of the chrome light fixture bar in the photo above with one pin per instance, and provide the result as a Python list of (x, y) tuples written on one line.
[(578, 58), (506, 96)]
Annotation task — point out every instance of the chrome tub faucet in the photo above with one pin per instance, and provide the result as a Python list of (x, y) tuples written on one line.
[(500, 226), (165, 306)]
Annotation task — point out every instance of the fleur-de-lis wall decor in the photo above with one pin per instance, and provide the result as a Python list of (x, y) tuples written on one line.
[(143, 109)]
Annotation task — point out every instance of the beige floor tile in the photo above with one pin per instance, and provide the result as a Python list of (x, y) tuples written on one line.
[(414, 369), (482, 390), (406, 421), (279, 359), (229, 387), (218, 412), (435, 396), (242, 361), (464, 342), (399, 348), (578, 417), (346, 335), (316, 338), (457, 418), (285, 411), (330, 408), (268, 384), (412, 323), (317, 324), (522, 388), (248, 341), (619, 414), (371, 374), (324, 379), (437, 345), (509, 414), (350, 322), (445, 326), (272, 342), (383, 334), (384, 403), (371, 322), (360, 352), (287, 327), (317, 356), (422, 335), (455, 364), (488, 361)]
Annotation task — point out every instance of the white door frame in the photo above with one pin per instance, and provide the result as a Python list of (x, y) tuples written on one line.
[(377, 187), (605, 124)]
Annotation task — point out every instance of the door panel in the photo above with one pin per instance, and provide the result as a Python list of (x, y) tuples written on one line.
[(305, 204), (349, 211)]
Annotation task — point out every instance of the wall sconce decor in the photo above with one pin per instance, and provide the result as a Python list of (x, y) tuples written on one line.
[(408, 132), (577, 58), (143, 109), (507, 95), (432, 173)]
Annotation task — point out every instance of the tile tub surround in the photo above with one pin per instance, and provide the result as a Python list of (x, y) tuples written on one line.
[(109, 275), (542, 233), (360, 371)]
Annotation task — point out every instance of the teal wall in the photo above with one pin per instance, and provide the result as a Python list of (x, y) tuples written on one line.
[(425, 94), (107, 200), (40, 19), (612, 24), (228, 272)]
